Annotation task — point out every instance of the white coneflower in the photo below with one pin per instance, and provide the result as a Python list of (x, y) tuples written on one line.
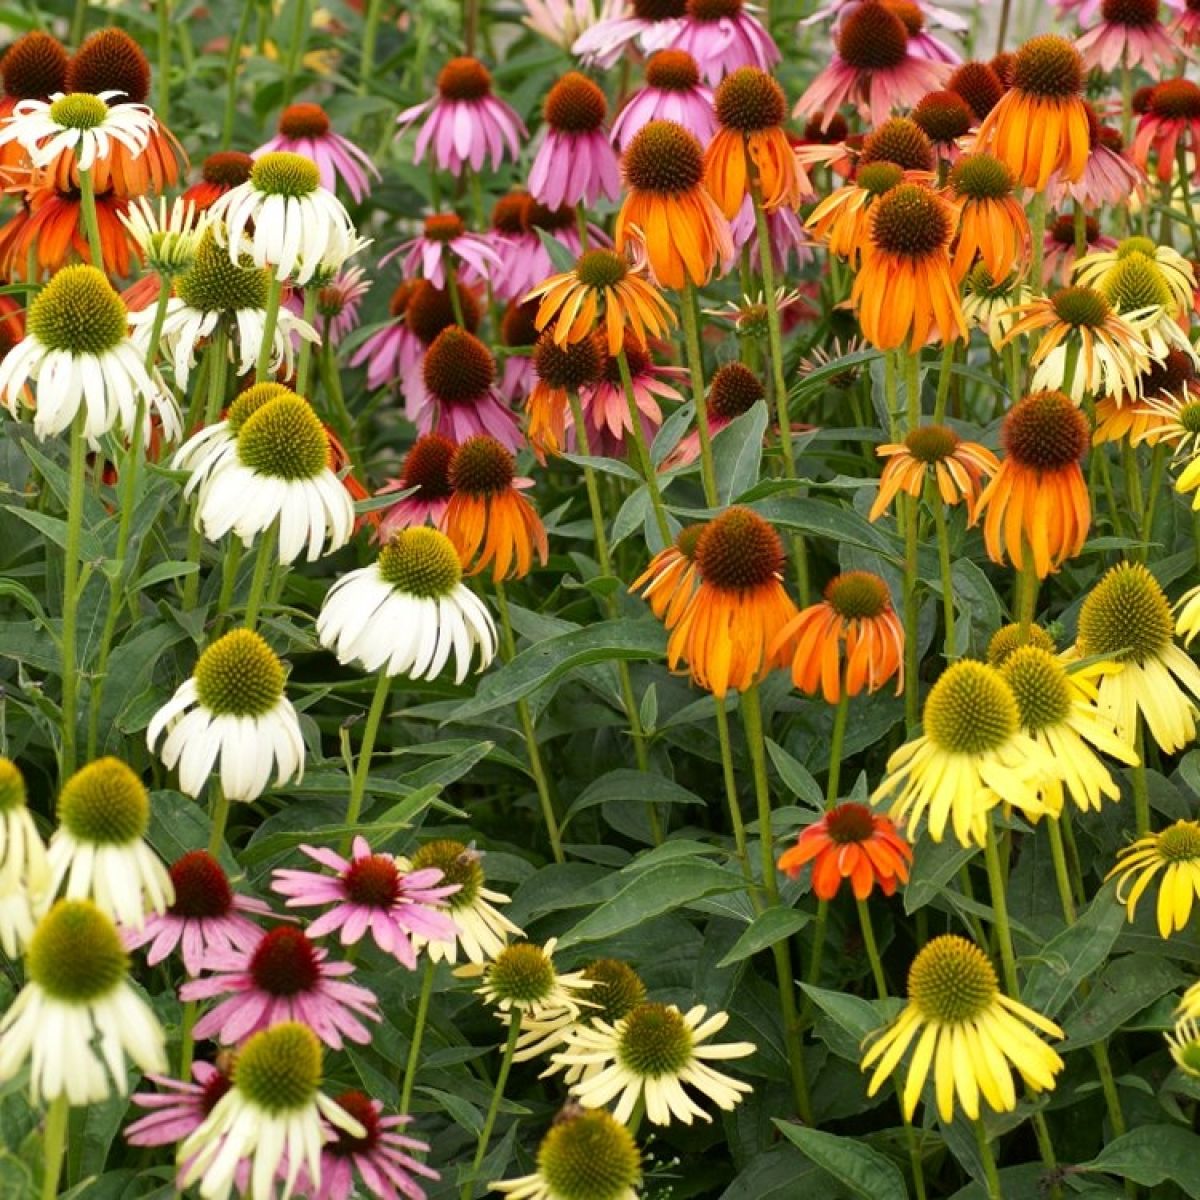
[(168, 238), (99, 851), (24, 867), (77, 354), (585, 1156), (297, 224), (275, 472), (213, 292), (649, 1055), (77, 1019), (79, 123), (408, 612), (270, 1119), (208, 442), (482, 929), (233, 708)]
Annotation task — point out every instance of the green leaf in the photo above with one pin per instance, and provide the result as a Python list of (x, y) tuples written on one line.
[(1074, 955), (819, 518), (650, 893), (857, 1017), (765, 930), (934, 865), (55, 528), (737, 452), (780, 1174), (163, 571), (849, 1160), (796, 777), (1152, 1154), (627, 784), (1128, 985)]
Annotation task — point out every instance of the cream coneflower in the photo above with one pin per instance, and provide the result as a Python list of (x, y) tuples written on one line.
[(989, 304), (750, 149), (669, 581), (1058, 710), (1126, 618), (408, 612), (1189, 1003), (284, 219), (24, 868), (481, 929), (729, 624), (904, 291), (971, 757), (1109, 352), (212, 441), (850, 641), (77, 356), (490, 523), (991, 221), (77, 1019), (667, 210), (99, 851), (1008, 639), (1101, 269), (1040, 126), (967, 1031), (937, 453), (1172, 859), (560, 371), (1170, 418), (231, 715), (648, 1056), (167, 238), (584, 1156), (1036, 509)]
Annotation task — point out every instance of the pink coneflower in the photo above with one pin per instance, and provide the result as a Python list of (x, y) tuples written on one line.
[(945, 118), (338, 301), (562, 21), (1186, 26), (285, 978), (525, 261), (219, 173), (305, 129), (922, 43), (1108, 178), (839, 10), (380, 1159), (369, 894), (722, 35), (734, 390), (466, 122), (178, 1108), (517, 331), (426, 473), (1059, 247), (1129, 34), (443, 234), (606, 410), (872, 68), (651, 23), (673, 92), (575, 164), (1171, 122), (393, 350), (786, 231), (207, 917)]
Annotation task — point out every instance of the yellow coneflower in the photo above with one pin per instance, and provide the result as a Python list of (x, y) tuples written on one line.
[(933, 452), (1173, 858), (1098, 269)]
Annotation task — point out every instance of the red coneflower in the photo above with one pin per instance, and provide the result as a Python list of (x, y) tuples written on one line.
[(850, 842)]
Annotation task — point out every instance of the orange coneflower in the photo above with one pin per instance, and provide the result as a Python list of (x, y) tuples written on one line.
[(602, 286), (219, 173), (726, 631), (49, 233), (668, 210), (1037, 503), (559, 371), (750, 143), (668, 583), (487, 519), (1040, 125), (850, 842), (850, 640), (934, 452), (991, 222), (904, 290)]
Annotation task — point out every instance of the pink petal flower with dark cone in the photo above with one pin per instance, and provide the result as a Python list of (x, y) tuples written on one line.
[(575, 164), (285, 978), (723, 35), (445, 234), (673, 92), (177, 1108), (305, 129), (207, 917), (393, 352), (370, 893)]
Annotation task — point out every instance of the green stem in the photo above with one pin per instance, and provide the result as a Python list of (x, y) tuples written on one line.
[(218, 818), (695, 361), (813, 975), (262, 370), (164, 60), (232, 74), (946, 571), (264, 563), (229, 574), (70, 604), (187, 1040), (734, 803), (1141, 792), (540, 778), (753, 724), (1037, 234), (1062, 877), (945, 374), (911, 509), (91, 225), (989, 1162), (1158, 464), (1027, 593), (643, 451), (836, 742), (370, 37), (54, 1145), (485, 1135), (362, 766), (304, 359), (1003, 930), (413, 1062), (296, 50), (872, 948)]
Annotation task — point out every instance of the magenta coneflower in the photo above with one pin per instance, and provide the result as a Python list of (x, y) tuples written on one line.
[(380, 1161), (922, 43), (606, 410), (207, 917), (1186, 26), (305, 129), (1171, 122), (460, 400), (525, 261), (1129, 34), (575, 164), (338, 301), (466, 122), (1058, 253), (673, 92), (178, 1107), (1109, 177), (651, 23), (370, 894), (787, 236), (734, 390), (285, 978), (839, 10), (427, 470), (443, 234), (723, 35), (871, 68), (393, 350)]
